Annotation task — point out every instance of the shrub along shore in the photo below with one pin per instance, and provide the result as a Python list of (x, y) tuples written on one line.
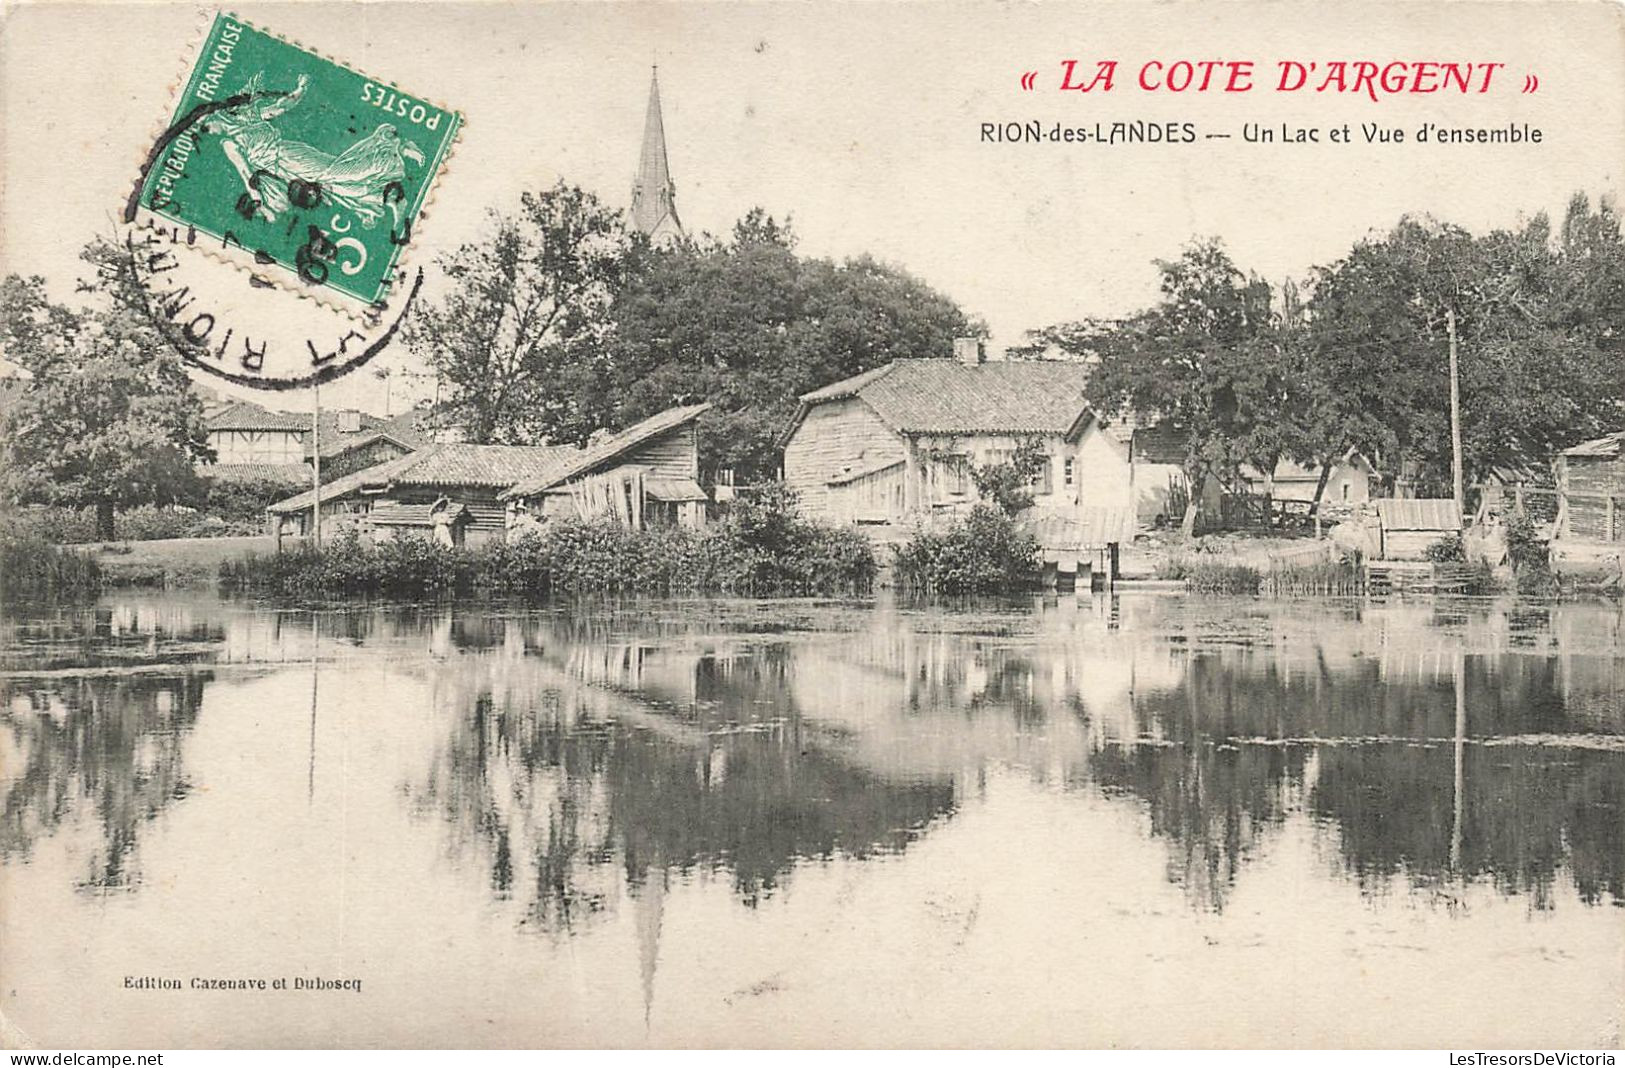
[(761, 548)]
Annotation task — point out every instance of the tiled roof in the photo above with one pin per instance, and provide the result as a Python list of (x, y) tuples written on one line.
[(1605, 446), (245, 416), (489, 466), (941, 396), (593, 456), (292, 474), (1161, 443), (345, 442), (484, 466)]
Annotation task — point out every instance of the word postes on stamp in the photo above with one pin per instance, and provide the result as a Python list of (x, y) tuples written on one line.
[(301, 169)]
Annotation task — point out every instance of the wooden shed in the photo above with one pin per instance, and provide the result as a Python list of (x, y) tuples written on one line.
[(648, 474), (1591, 490), (1408, 525)]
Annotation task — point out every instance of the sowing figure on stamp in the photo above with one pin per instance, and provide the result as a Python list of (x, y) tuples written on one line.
[(356, 179)]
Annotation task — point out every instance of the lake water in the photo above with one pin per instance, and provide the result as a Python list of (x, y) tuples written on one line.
[(1140, 820)]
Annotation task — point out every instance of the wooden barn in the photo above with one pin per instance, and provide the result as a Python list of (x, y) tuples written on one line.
[(457, 487), (646, 475), (1591, 491)]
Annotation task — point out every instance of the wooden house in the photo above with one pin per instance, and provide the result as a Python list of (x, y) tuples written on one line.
[(453, 486), (900, 442), (1591, 491), (1348, 482), (645, 475)]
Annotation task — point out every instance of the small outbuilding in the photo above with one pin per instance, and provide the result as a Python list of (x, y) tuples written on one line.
[(1408, 525), (1591, 490)]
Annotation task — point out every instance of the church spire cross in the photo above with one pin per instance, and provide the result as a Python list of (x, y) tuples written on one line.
[(654, 197)]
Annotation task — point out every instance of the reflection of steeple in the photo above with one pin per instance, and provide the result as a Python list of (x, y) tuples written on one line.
[(651, 907), (654, 197)]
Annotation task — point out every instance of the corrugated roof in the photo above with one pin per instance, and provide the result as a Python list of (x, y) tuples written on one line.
[(1079, 528), (674, 489), (1605, 446), (483, 466), (593, 456), (941, 396), (1418, 513)]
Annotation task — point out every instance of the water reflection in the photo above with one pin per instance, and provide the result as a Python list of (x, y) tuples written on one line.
[(107, 747), (576, 760), (570, 761)]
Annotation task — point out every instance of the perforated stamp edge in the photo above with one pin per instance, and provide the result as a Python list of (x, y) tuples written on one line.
[(353, 308)]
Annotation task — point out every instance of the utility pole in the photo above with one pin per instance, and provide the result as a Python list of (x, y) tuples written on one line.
[(1455, 415), (316, 466)]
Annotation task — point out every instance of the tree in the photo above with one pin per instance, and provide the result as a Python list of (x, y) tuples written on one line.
[(1209, 359), (1009, 483), (1538, 322), (526, 314), (108, 419), (748, 325)]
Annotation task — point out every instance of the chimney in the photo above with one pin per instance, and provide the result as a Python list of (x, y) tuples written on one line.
[(968, 351)]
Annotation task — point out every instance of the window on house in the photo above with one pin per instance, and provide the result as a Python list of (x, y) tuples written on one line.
[(1067, 475), (1345, 491), (956, 474)]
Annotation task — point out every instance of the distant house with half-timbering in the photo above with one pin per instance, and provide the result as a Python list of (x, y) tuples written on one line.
[(900, 442), (253, 443)]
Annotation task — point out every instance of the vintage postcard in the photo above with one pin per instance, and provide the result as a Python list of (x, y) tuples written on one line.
[(733, 524)]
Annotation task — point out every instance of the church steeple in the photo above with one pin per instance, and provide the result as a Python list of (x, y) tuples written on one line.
[(654, 197)]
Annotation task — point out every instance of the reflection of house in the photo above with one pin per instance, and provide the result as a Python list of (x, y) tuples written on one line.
[(400, 495), (646, 474), (903, 439), (1591, 490)]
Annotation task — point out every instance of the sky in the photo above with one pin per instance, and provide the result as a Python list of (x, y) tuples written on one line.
[(862, 122)]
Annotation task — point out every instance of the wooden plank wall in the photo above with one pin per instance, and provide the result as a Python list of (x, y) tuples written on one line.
[(836, 437)]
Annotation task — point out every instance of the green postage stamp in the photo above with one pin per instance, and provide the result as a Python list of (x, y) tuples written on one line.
[(299, 164)]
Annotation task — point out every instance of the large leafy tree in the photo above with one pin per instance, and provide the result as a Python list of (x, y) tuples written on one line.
[(1538, 319), (109, 418), (1211, 358), (526, 308), (747, 324)]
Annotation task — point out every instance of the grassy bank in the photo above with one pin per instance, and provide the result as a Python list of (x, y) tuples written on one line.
[(34, 570)]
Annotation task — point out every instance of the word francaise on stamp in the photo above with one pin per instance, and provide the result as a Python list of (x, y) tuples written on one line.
[(297, 167)]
